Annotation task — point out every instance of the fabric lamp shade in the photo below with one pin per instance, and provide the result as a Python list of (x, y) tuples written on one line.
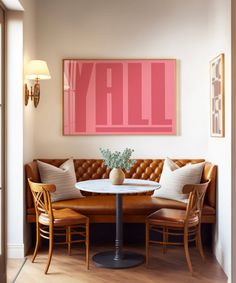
[(37, 69)]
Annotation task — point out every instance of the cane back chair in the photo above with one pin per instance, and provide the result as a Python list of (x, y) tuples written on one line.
[(57, 224), (176, 223)]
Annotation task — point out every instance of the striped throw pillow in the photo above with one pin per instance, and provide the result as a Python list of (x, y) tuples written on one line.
[(62, 177), (173, 178)]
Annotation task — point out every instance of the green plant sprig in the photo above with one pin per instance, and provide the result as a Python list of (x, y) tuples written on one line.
[(118, 159)]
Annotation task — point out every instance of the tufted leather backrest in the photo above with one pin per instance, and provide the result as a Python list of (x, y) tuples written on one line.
[(148, 169)]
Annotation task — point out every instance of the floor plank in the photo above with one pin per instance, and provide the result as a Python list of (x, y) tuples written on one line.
[(163, 268), (13, 267)]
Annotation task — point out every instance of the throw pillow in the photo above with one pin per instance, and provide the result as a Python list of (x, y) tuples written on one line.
[(173, 178), (62, 177)]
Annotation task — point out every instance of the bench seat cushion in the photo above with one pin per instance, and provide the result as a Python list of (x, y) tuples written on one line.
[(105, 205)]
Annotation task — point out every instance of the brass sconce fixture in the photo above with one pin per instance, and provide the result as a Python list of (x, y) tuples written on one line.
[(36, 70)]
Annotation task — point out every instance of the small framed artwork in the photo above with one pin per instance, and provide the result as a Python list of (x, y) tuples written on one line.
[(119, 97), (217, 96)]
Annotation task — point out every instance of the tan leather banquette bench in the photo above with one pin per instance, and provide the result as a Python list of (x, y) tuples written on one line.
[(101, 208)]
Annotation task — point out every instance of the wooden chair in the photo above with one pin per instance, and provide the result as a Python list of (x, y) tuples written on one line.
[(176, 222), (57, 223)]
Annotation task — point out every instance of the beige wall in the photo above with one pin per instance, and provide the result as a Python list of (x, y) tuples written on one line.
[(29, 54), (125, 29)]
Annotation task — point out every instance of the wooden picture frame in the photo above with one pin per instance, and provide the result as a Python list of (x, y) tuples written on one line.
[(217, 111)]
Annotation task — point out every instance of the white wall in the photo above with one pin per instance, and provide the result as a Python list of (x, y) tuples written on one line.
[(124, 29), (219, 149), (20, 126), (14, 110), (191, 31), (29, 32)]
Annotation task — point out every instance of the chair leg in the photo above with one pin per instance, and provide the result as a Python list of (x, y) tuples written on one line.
[(87, 244), (199, 242), (186, 250), (147, 241), (165, 240), (50, 248), (68, 239), (37, 242)]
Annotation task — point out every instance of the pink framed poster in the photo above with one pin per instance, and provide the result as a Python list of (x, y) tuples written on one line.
[(119, 97)]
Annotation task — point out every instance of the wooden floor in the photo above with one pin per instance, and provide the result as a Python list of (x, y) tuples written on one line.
[(13, 267), (163, 268)]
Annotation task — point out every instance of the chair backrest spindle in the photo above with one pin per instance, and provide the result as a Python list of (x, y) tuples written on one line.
[(195, 200), (42, 198)]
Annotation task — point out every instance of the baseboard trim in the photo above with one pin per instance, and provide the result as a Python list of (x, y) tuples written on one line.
[(15, 251)]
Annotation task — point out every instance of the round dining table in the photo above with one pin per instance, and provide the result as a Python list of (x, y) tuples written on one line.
[(118, 258)]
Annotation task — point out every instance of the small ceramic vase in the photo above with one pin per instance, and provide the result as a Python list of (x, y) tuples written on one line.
[(117, 176)]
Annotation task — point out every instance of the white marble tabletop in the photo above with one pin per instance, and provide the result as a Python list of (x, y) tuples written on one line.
[(129, 186)]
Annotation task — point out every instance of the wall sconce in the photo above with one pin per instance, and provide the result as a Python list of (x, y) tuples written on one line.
[(36, 70)]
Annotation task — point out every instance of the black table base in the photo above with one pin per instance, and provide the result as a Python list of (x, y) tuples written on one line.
[(107, 260), (118, 258)]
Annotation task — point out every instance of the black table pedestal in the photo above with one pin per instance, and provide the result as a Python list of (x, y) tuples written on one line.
[(118, 258)]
